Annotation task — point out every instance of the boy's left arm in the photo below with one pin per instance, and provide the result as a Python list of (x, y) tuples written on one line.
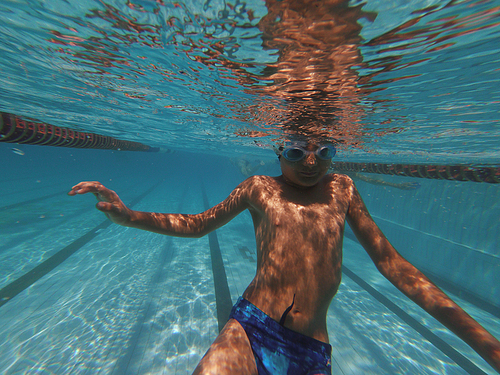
[(416, 285)]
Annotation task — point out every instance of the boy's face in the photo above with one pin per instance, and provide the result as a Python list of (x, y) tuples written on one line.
[(306, 172)]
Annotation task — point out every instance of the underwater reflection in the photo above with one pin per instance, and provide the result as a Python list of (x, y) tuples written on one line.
[(301, 67)]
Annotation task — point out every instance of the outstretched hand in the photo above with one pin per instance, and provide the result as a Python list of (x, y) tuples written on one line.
[(109, 202)]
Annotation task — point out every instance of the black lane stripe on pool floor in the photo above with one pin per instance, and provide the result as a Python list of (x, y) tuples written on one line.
[(34, 200), (439, 343), (222, 295), (17, 286)]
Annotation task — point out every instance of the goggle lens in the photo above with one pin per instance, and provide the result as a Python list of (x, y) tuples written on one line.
[(326, 152), (296, 153)]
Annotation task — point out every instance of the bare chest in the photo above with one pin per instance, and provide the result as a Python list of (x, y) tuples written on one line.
[(320, 214), (304, 226)]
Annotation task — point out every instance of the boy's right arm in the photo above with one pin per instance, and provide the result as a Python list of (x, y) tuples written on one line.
[(179, 225), (416, 285)]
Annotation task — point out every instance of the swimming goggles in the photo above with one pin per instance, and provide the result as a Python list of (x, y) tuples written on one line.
[(297, 153)]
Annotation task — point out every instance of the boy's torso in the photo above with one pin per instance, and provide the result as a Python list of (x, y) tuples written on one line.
[(299, 249)]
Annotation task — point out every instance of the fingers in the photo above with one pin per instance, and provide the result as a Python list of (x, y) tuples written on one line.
[(117, 213), (99, 190), (109, 202), (106, 207), (86, 187)]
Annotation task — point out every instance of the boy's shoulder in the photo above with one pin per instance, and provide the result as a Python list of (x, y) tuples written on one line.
[(258, 179), (260, 182), (339, 178), (257, 188)]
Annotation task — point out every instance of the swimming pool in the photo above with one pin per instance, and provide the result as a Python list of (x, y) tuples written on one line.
[(196, 79)]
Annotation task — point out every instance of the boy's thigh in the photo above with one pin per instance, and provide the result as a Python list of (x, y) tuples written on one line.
[(230, 353)]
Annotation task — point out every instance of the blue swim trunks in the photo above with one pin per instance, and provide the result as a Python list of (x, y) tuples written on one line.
[(279, 350)]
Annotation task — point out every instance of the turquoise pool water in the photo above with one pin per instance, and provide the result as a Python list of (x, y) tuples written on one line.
[(202, 80)]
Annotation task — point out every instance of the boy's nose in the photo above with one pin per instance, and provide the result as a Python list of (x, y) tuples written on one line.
[(310, 158)]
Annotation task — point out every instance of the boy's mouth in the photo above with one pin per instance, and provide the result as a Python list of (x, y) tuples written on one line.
[(308, 173)]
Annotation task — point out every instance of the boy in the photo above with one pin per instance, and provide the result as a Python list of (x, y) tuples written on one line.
[(279, 326)]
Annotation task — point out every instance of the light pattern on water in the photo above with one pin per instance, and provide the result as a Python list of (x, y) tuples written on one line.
[(393, 81)]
